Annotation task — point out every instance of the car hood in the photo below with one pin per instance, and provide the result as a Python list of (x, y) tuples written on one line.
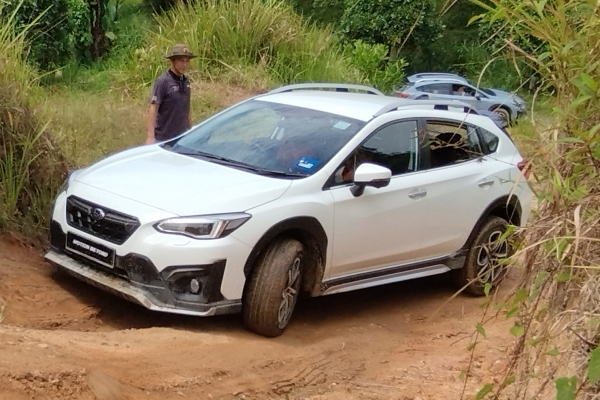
[(180, 184), (502, 93), (505, 96)]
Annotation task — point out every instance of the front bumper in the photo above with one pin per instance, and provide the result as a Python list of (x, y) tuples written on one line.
[(136, 279)]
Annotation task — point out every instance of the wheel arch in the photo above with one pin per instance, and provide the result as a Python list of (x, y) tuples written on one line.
[(310, 232), (502, 106), (507, 207)]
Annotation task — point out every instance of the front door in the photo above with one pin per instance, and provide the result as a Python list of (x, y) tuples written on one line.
[(381, 227)]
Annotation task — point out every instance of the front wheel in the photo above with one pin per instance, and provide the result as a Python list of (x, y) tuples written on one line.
[(484, 259), (504, 112), (272, 290)]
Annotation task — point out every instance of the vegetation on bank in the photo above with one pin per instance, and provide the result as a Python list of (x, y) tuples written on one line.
[(556, 307)]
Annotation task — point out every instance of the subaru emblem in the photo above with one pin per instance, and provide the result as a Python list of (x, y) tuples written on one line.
[(98, 213)]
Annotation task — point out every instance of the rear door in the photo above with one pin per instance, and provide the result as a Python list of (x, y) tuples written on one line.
[(460, 181)]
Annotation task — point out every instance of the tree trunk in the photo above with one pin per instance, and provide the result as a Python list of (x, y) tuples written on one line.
[(99, 47)]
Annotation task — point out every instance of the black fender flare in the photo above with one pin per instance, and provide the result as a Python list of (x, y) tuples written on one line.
[(511, 211), (307, 230)]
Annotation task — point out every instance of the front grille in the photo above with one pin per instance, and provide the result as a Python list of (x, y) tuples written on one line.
[(100, 221)]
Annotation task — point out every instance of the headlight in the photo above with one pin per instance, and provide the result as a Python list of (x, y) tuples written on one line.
[(203, 226), (519, 102)]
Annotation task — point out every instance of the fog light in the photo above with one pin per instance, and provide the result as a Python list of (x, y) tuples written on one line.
[(194, 286)]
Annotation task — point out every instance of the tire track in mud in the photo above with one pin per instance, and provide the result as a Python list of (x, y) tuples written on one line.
[(64, 339)]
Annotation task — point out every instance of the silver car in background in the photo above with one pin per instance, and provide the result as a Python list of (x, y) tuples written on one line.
[(447, 86)]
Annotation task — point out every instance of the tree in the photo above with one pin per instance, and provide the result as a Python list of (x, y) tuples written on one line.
[(99, 45), (394, 23)]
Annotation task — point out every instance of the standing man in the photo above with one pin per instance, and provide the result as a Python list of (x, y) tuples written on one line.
[(169, 113)]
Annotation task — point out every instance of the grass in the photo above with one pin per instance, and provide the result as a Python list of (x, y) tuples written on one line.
[(231, 36), (31, 166)]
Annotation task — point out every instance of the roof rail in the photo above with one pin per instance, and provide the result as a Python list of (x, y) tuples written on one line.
[(438, 104), (339, 87), (442, 79)]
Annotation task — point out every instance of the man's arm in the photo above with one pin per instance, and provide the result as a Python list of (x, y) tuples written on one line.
[(151, 122)]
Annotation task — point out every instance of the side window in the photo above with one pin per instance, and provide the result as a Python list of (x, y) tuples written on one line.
[(436, 88), (449, 143), (393, 147), (463, 90), (490, 141)]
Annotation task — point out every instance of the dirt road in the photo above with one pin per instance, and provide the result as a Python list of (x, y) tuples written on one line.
[(61, 339)]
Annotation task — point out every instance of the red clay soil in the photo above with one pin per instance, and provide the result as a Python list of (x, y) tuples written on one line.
[(62, 339)]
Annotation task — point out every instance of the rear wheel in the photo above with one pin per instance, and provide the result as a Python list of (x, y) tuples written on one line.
[(272, 290), (484, 259)]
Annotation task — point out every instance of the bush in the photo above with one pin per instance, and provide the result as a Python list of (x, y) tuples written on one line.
[(372, 62), (57, 30), (232, 35), (391, 22), (31, 166)]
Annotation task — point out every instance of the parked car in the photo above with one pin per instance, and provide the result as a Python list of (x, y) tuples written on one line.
[(295, 190), (447, 86)]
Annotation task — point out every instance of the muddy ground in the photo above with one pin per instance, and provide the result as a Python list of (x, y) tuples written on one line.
[(61, 339)]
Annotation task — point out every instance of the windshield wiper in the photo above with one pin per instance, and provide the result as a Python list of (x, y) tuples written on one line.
[(234, 163), (269, 172), (204, 155)]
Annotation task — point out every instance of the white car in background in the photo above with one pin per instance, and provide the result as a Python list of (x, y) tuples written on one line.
[(295, 190)]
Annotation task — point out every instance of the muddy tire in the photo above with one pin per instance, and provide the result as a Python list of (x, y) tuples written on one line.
[(481, 265), (272, 289)]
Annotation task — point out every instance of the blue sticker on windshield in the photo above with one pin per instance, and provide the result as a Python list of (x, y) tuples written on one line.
[(306, 163)]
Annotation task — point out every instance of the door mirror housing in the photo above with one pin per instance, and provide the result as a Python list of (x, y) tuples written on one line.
[(368, 174)]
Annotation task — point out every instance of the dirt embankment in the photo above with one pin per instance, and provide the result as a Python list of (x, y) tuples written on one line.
[(61, 339)]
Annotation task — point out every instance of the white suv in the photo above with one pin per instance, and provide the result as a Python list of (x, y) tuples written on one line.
[(313, 190)]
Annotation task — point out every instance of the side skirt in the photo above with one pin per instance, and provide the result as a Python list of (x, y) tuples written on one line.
[(389, 275)]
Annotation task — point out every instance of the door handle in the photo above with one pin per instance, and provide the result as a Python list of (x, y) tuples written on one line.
[(486, 183), (417, 194)]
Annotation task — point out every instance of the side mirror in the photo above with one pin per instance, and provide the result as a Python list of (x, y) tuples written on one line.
[(478, 97), (370, 175)]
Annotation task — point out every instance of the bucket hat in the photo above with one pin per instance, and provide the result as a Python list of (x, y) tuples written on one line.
[(179, 50)]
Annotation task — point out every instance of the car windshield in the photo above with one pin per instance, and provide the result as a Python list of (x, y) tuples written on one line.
[(269, 138)]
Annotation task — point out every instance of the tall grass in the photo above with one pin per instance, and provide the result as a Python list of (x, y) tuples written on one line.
[(13, 66), (31, 165), (556, 353), (234, 35)]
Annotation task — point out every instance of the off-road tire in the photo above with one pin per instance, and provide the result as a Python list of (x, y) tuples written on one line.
[(273, 288), (471, 272)]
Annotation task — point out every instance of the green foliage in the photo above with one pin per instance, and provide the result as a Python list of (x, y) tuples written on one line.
[(372, 62), (159, 5), (321, 11), (390, 22), (555, 307), (484, 391), (494, 35), (593, 372), (61, 29), (232, 36), (80, 36), (31, 168), (566, 388)]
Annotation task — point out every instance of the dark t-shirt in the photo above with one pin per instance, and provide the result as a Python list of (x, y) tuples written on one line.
[(172, 95)]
